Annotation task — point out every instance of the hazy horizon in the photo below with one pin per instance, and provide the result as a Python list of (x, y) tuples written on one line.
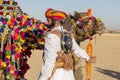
[(108, 11)]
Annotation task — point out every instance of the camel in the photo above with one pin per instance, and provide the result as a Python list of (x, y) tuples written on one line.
[(84, 26)]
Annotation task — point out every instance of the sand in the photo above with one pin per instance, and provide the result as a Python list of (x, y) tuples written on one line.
[(107, 51)]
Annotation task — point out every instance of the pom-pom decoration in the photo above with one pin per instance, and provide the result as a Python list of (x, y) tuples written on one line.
[(20, 33)]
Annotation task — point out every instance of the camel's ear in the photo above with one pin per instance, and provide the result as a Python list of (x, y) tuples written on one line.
[(89, 12), (73, 18), (76, 15)]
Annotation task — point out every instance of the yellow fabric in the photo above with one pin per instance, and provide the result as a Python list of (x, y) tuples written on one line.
[(1, 1), (89, 50)]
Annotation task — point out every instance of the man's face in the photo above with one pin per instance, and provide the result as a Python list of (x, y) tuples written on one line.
[(52, 23), (57, 23)]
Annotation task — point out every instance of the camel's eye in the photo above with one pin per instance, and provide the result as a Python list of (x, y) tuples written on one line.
[(85, 21)]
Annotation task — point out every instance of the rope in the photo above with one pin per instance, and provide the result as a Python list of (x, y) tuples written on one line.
[(53, 71)]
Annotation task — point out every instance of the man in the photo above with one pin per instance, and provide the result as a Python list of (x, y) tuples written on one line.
[(58, 64)]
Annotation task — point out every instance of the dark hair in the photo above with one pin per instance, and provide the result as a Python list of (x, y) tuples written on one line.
[(51, 25), (62, 22)]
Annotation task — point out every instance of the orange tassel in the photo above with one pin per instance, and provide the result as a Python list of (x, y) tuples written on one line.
[(89, 50), (89, 12)]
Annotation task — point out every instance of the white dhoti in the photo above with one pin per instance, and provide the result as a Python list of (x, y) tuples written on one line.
[(61, 74)]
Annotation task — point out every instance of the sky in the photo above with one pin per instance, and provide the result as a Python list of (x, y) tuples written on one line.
[(107, 10)]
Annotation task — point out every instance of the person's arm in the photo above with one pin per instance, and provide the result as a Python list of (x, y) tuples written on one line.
[(50, 54), (79, 51)]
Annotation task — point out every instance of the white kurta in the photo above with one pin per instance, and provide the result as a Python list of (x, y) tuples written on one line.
[(52, 46)]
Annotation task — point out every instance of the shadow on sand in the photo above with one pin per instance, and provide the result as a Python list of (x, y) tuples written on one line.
[(111, 73)]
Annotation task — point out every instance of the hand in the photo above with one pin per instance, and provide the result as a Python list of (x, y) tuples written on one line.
[(92, 59), (68, 65)]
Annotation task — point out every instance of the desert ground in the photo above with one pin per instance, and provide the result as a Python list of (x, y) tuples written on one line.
[(107, 51)]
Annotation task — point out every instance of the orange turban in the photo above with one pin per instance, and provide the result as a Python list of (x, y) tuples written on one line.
[(55, 15)]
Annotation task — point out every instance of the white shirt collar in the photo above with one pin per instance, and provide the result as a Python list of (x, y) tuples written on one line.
[(60, 28)]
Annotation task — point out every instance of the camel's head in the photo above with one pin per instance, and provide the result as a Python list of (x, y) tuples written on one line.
[(84, 25)]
